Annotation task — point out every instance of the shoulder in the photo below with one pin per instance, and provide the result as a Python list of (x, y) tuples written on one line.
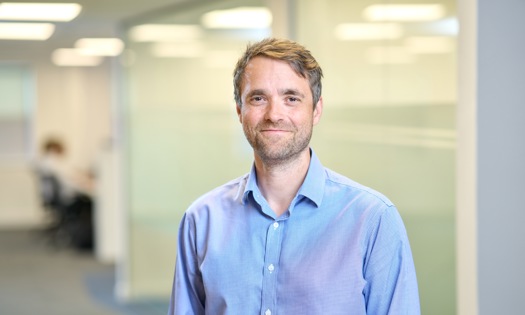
[(375, 211), (219, 197), (351, 187)]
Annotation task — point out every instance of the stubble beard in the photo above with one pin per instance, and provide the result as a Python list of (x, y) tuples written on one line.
[(275, 152)]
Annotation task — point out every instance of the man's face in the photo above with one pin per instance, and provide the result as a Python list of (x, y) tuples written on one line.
[(277, 113)]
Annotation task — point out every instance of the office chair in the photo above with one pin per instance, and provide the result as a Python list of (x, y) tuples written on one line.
[(70, 220), (50, 196)]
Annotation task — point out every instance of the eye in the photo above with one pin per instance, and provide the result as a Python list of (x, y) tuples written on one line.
[(292, 100), (257, 100)]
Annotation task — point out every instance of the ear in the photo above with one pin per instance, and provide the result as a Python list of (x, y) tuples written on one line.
[(238, 109), (318, 111)]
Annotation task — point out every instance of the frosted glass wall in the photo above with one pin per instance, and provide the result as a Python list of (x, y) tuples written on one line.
[(389, 122), (184, 137), (16, 91)]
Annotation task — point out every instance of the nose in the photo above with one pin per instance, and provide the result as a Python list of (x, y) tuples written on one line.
[(274, 111)]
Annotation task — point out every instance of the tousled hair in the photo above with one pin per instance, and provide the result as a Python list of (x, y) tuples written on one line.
[(296, 55)]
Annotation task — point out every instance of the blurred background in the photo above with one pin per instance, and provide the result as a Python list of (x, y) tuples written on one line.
[(140, 95)]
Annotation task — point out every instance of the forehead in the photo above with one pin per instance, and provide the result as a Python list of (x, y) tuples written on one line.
[(264, 70)]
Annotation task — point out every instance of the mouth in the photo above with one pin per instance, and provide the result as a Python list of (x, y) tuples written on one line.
[(274, 131), (271, 130), (274, 128)]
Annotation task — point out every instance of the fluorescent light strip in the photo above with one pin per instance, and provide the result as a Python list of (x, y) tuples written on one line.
[(72, 58), (164, 32), (404, 12), (446, 27), (368, 31), (26, 31), (238, 18), (59, 12), (99, 46), (176, 50)]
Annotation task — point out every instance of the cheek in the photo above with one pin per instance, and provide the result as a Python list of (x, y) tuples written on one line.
[(249, 117), (305, 119), (249, 123)]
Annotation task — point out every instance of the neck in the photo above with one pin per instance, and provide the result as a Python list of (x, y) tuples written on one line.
[(279, 182)]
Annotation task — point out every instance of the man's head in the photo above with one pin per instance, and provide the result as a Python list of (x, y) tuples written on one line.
[(298, 57), (278, 95), (53, 146)]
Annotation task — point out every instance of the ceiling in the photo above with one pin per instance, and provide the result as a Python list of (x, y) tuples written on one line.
[(98, 18), (103, 18)]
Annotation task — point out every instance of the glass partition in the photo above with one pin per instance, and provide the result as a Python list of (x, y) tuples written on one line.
[(16, 90), (388, 123), (184, 137), (389, 117)]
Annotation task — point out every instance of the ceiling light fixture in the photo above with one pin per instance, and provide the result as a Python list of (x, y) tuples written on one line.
[(445, 27), (404, 12), (176, 50), (368, 31), (72, 58), (238, 18), (164, 32), (58, 12), (26, 31), (100, 46)]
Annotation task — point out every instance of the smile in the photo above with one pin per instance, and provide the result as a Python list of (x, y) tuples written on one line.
[(272, 131)]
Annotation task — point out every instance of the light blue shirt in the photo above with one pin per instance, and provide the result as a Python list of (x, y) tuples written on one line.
[(341, 248)]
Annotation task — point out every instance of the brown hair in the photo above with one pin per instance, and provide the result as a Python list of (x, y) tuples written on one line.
[(53, 145), (297, 56)]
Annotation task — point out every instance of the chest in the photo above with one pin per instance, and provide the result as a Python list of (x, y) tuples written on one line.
[(296, 261)]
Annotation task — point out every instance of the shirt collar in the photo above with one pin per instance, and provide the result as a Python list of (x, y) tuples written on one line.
[(251, 184), (312, 187)]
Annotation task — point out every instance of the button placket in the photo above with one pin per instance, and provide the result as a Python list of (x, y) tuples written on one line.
[(271, 259)]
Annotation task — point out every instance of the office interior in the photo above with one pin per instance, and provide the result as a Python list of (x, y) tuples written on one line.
[(422, 107)]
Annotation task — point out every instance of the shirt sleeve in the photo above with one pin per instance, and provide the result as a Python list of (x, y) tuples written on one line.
[(187, 297), (391, 284)]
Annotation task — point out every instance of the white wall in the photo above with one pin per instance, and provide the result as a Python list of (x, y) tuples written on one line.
[(501, 156), (19, 206), (491, 155), (73, 103)]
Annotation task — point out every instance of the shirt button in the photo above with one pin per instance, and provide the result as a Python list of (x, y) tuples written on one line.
[(268, 312), (275, 225), (271, 267)]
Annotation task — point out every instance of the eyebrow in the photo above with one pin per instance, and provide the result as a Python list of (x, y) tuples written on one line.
[(291, 92), (255, 92), (281, 92)]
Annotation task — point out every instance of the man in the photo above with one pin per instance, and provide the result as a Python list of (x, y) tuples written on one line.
[(69, 196), (291, 237)]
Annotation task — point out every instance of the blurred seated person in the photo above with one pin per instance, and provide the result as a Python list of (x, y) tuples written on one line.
[(68, 193), (53, 163)]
